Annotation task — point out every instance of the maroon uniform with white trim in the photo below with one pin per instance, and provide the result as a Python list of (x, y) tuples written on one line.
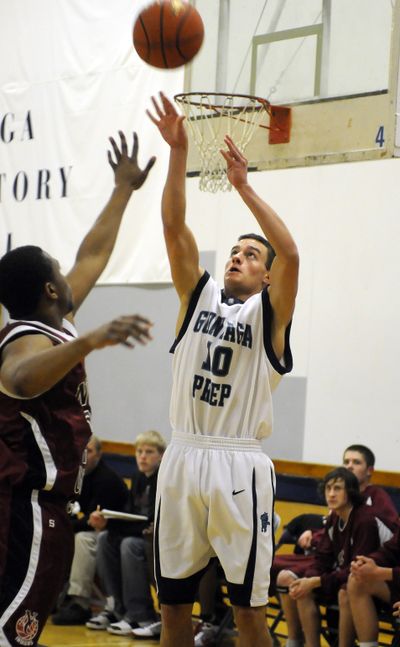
[(46, 439)]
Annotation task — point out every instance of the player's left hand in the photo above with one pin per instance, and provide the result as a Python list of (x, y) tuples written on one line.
[(305, 540), (300, 588), (97, 521), (236, 164), (396, 608), (363, 568), (126, 168)]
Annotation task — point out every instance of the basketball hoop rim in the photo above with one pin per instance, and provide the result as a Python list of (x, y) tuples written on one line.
[(264, 103)]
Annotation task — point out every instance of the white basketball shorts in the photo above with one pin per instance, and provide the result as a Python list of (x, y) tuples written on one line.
[(215, 498)]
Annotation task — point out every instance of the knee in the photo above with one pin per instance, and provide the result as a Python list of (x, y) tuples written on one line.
[(84, 540), (354, 587), (133, 548), (102, 540), (249, 619), (285, 578)]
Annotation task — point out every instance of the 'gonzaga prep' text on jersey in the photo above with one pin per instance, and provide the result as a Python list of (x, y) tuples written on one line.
[(224, 367), (48, 433)]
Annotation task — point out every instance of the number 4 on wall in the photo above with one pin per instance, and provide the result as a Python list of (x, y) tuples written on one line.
[(380, 136)]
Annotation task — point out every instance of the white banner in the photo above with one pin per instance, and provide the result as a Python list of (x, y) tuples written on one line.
[(69, 79)]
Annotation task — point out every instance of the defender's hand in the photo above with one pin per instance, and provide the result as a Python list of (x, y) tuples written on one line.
[(126, 168), (121, 331)]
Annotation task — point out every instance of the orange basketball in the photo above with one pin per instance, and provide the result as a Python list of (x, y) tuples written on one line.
[(168, 33)]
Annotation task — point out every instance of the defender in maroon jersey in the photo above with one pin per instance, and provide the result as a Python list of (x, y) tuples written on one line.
[(44, 407)]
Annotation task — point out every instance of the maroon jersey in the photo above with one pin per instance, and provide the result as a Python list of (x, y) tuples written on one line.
[(340, 544), (47, 435), (381, 506), (388, 556)]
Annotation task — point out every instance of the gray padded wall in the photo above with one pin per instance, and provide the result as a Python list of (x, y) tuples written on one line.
[(287, 439), (130, 389)]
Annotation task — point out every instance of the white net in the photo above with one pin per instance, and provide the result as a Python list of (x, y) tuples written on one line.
[(212, 116)]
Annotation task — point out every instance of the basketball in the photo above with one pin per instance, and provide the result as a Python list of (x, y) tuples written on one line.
[(168, 33)]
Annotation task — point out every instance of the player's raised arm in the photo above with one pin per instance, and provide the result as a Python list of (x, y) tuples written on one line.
[(285, 267), (181, 246), (97, 246)]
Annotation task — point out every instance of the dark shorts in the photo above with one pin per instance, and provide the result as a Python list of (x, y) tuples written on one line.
[(40, 551), (5, 507)]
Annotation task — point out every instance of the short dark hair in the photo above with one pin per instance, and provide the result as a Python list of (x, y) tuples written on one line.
[(369, 455), (23, 274), (270, 250), (351, 484)]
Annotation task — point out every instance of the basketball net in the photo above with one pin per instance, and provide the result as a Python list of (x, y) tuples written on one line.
[(212, 116)]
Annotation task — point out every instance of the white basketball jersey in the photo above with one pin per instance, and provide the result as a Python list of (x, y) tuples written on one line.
[(224, 367)]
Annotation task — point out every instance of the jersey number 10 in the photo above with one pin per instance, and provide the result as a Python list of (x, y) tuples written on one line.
[(219, 361)]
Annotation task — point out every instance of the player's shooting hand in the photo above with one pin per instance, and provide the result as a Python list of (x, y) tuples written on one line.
[(121, 331), (126, 168), (169, 122), (396, 608), (236, 164)]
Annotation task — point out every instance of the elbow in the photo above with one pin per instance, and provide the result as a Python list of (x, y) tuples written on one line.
[(172, 231), (292, 257), (24, 391), (294, 252)]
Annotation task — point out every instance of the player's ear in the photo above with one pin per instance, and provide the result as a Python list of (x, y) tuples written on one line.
[(266, 279), (50, 291)]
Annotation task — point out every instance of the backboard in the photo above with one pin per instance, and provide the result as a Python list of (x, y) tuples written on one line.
[(335, 63)]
